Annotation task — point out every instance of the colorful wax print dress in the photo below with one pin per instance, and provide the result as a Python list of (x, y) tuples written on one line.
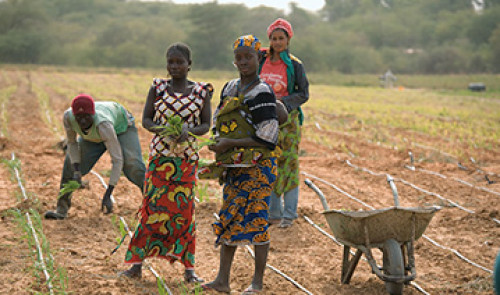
[(167, 224), (250, 172), (288, 162), (296, 93)]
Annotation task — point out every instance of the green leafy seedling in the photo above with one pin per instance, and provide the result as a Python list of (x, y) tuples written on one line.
[(202, 141), (69, 187), (173, 127)]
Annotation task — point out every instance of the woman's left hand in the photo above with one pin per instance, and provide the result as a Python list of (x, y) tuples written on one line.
[(184, 133), (222, 145)]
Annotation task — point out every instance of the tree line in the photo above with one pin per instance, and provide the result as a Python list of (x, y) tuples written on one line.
[(355, 36)]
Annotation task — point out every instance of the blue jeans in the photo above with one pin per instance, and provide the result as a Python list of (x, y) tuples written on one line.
[(287, 208), (133, 165)]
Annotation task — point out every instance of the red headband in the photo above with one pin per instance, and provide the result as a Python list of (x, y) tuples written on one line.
[(83, 104), (280, 24)]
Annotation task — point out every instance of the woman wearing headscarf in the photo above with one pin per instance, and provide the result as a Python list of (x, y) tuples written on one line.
[(246, 132), (286, 75)]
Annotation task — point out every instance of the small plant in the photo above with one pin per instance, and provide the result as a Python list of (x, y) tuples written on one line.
[(69, 187), (197, 290), (173, 127), (12, 165), (161, 289), (201, 191), (202, 141), (121, 228)]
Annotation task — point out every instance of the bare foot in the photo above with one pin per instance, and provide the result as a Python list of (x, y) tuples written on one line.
[(216, 287)]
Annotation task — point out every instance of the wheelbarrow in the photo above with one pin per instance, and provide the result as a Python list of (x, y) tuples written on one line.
[(392, 230)]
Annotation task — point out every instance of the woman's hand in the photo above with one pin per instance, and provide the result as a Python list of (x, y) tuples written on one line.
[(281, 111), (184, 133), (221, 145)]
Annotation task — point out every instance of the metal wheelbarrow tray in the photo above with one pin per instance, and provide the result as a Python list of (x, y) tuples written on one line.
[(377, 226), (392, 230)]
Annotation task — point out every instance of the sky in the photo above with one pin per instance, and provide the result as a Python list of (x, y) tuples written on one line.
[(312, 5)]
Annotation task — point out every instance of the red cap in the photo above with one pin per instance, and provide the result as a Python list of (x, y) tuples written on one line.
[(83, 104), (280, 24)]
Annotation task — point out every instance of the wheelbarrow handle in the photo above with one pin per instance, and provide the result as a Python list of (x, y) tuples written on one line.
[(390, 180), (310, 184)]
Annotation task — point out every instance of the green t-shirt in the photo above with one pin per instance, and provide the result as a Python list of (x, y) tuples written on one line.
[(106, 111)]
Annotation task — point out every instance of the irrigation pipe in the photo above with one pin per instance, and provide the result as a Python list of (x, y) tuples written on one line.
[(458, 254), (455, 179), (33, 232), (127, 228), (412, 185), (274, 268), (425, 236), (352, 252), (18, 177), (338, 189), (433, 149), (437, 174), (438, 196), (476, 187), (482, 171), (40, 254), (453, 157), (421, 189)]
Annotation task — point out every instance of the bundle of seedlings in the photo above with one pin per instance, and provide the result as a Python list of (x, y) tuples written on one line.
[(173, 129)]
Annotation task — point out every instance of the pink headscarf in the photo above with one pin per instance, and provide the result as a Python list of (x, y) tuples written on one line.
[(280, 24)]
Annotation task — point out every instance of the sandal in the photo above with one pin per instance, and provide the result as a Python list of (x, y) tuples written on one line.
[(286, 223), (191, 277), (249, 291), (130, 273)]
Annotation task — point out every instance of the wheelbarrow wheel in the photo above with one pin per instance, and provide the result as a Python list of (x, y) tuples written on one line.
[(393, 265)]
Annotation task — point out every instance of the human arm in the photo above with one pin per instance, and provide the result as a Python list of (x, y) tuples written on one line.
[(301, 88), (263, 111), (110, 140), (149, 112), (73, 149), (224, 144), (281, 112)]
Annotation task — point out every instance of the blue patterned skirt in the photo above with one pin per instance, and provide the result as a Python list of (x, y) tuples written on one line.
[(244, 216)]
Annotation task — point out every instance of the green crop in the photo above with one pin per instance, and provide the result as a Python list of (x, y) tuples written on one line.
[(173, 127), (202, 141), (69, 187)]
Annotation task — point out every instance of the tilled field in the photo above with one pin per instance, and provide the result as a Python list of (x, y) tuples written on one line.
[(81, 244)]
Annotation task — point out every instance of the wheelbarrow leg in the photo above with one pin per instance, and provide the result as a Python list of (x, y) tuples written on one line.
[(348, 266)]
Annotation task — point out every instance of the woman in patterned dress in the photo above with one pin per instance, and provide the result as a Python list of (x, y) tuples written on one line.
[(167, 224), (246, 132)]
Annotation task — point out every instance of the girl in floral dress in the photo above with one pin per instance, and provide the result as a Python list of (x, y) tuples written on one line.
[(167, 224)]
